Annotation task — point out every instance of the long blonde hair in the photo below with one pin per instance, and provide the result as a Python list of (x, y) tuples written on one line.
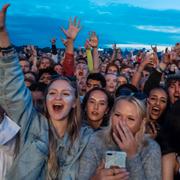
[(140, 107), (73, 128), (139, 104)]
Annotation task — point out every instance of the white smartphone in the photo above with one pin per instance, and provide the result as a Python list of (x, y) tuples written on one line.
[(115, 158)]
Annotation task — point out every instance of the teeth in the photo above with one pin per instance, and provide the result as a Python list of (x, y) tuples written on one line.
[(57, 104), (156, 109), (95, 113)]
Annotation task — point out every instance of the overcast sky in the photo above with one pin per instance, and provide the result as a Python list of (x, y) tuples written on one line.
[(115, 21)]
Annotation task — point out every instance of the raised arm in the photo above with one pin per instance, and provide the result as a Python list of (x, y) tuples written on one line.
[(114, 53), (54, 50), (155, 77), (138, 74), (71, 34), (94, 44), (34, 67), (89, 56), (15, 98), (4, 38)]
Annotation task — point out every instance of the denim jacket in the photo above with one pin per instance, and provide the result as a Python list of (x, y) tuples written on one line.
[(31, 163), (145, 165)]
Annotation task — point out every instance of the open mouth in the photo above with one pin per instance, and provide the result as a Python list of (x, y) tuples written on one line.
[(80, 73), (95, 113), (111, 87), (58, 107), (155, 110), (176, 97)]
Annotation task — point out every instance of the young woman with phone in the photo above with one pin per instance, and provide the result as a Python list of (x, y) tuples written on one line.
[(125, 133)]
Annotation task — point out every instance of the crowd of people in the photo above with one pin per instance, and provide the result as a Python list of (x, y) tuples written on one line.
[(62, 111)]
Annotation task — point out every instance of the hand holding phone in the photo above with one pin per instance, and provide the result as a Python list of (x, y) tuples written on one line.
[(115, 158)]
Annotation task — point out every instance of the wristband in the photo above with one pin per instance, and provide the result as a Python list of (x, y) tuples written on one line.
[(7, 50)]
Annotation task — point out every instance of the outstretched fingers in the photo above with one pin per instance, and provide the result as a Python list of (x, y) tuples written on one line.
[(5, 7)]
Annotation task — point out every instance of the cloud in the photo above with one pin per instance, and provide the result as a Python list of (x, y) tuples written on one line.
[(97, 22), (104, 12), (105, 2), (153, 4), (42, 7), (162, 29), (139, 46)]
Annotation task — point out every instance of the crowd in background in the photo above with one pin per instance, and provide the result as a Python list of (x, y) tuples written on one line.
[(62, 110)]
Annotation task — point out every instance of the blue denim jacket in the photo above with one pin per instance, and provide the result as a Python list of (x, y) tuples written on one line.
[(31, 163)]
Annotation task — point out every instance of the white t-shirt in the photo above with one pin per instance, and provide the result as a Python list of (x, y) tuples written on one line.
[(8, 132)]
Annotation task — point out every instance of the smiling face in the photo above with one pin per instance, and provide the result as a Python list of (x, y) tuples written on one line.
[(45, 63), (60, 100), (156, 103), (111, 83), (81, 70), (97, 106), (127, 111)]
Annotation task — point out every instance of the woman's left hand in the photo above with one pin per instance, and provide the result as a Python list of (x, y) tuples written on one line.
[(73, 29)]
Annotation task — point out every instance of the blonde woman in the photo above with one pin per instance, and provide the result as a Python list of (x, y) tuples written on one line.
[(126, 133)]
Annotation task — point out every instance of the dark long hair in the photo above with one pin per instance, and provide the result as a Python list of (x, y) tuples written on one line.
[(161, 119), (110, 101)]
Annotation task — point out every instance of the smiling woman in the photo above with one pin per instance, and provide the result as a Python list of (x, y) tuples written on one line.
[(156, 108), (50, 145), (125, 133)]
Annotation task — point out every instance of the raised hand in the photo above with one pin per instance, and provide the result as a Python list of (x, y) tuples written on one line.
[(114, 46), (154, 48), (125, 139), (64, 41), (73, 29), (166, 58), (151, 59), (173, 55), (93, 39), (151, 130), (3, 17), (53, 41), (87, 44), (34, 51)]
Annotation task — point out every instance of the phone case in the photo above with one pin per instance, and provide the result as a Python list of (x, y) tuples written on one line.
[(115, 158)]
